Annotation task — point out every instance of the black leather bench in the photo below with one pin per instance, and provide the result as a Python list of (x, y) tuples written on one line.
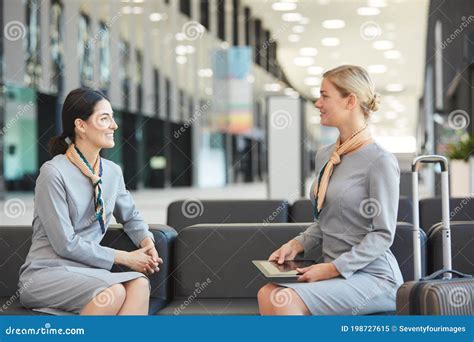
[(15, 242)]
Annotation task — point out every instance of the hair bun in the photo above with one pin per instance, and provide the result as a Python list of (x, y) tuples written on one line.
[(374, 103)]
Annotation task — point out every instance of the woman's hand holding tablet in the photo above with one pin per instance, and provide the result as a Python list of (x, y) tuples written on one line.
[(286, 252), (318, 272)]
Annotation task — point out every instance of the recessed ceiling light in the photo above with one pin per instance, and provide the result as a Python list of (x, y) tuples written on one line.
[(181, 59), (308, 51), (392, 54), (180, 36), (156, 16), (315, 70), (298, 29), (312, 81), (291, 17), (205, 72), (394, 87), (294, 38), (272, 87), (330, 41), (181, 50), (334, 24), (283, 6), (303, 61), (323, 2), (137, 10), (382, 45), (377, 69), (126, 10), (367, 11)]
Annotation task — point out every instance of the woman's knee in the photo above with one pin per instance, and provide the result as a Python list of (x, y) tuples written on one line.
[(265, 292), (142, 284), (112, 296)]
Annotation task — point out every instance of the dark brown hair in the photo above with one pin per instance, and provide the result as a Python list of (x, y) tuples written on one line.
[(79, 104)]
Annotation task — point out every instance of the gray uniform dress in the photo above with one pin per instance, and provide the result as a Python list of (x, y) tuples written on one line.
[(66, 266), (356, 227)]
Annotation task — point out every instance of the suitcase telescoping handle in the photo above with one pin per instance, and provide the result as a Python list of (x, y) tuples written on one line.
[(446, 236)]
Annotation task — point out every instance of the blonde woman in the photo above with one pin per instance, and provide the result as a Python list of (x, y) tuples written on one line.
[(355, 202), (76, 194)]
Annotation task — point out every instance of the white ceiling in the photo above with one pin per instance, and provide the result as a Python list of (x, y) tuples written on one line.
[(403, 22)]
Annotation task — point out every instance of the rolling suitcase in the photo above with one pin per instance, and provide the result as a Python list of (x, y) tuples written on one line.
[(439, 293)]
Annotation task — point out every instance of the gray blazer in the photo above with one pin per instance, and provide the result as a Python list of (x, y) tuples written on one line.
[(357, 223)]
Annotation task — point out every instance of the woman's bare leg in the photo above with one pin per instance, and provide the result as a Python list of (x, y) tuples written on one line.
[(275, 300), (137, 299), (107, 302), (264, 304)]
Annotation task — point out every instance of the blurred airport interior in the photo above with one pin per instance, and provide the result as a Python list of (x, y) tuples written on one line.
[(215, 98)]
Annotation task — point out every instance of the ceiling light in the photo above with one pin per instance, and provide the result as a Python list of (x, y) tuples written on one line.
[(283, 6), (330, 41), (181, 59), (315, 70), (377, 69), (392, 54), (298, 29), (366, 11), (137, 10), (272, 87), (156, 16), (334, 24), (294, 38), (303, 61), (291, 17), (312, 81), (181, 50), (180, 36), (205, 72), (308, 51), (382, 45), (394, 87)]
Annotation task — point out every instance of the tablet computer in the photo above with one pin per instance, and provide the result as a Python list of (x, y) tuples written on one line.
[(271, 269)]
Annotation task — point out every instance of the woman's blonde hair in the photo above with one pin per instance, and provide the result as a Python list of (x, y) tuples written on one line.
[(352, 79)]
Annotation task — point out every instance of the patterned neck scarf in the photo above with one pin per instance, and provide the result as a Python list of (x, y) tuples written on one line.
[(359, 139), (94, 174)]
